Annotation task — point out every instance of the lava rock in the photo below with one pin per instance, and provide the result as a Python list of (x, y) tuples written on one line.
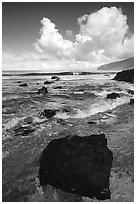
[(48, 82), (58, 87), (56, 78), (131, 101), (23, 85), (43, 90), (48, 113), (113, 96), (130, 91), (78, 165), (28, 120), (91, 122), (23, 131), (127, 76)]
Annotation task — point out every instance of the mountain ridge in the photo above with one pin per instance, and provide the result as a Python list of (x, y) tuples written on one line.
[(119, 65)]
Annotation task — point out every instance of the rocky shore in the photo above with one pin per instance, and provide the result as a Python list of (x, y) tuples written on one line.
[(22, 153)]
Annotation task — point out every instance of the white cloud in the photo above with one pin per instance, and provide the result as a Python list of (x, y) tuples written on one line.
[(52, 43), (104, 37), (107, 28)]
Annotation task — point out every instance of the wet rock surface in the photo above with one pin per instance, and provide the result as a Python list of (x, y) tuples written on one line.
[(43, 90), (113, 96), (127, 75), (80, 165), (23, 85), (131, 101), (56, 78), (49, 113)]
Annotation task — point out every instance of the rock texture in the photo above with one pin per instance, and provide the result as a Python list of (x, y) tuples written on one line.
[(131, 101), (43, 90), (113, 96), (127, 75), (56, 78), (23, 85), (48, 113), (79, 165)]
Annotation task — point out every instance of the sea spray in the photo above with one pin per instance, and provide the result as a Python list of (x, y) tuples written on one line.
[(98, 107)]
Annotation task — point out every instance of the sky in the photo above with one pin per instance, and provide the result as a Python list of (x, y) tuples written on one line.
[(66, 36)]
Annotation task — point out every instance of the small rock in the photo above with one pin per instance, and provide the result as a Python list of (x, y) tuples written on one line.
[(131, 101), (130, 91), (58, 87), (23, 85), (61, 122), (48, 82), (48, 113), (91, 123), (43, 90), (113, 96), (56, 78), (29, 120)]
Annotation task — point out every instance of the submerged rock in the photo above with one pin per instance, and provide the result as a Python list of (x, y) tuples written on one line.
[(113, 96), (56, 78), (23, 85), (48, 82), (58, 87), (131, 101), (130, 91), (48, 113), (127, 75), (43, 90), (79, 165)]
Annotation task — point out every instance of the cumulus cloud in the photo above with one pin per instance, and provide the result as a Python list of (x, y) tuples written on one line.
[(52, 43), (104, 37)]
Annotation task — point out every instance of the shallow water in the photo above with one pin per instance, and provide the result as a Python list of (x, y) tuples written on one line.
[(84, 94)]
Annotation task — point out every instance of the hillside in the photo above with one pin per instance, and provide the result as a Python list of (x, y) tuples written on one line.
[(120, 65)]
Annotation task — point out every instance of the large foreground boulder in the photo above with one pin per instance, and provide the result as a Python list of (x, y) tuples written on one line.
[(113, 96), (79, 165), (127, 75)]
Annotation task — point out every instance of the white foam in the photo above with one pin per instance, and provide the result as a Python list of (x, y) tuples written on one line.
[(99, 107)]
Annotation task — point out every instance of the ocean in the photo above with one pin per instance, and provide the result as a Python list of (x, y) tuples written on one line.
[(82, 108), (84, 95)]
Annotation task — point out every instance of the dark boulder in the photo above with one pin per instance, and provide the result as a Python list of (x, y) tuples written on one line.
[(58, 87), (43, 90), (48, 82), (48, 113), (79, 165), (127, 75), (113, 96), (56, 78), (23, 85), (91, 122), (131, 101), (130, 91)]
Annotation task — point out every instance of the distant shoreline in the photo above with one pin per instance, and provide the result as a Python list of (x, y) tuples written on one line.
[(54, 73)]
